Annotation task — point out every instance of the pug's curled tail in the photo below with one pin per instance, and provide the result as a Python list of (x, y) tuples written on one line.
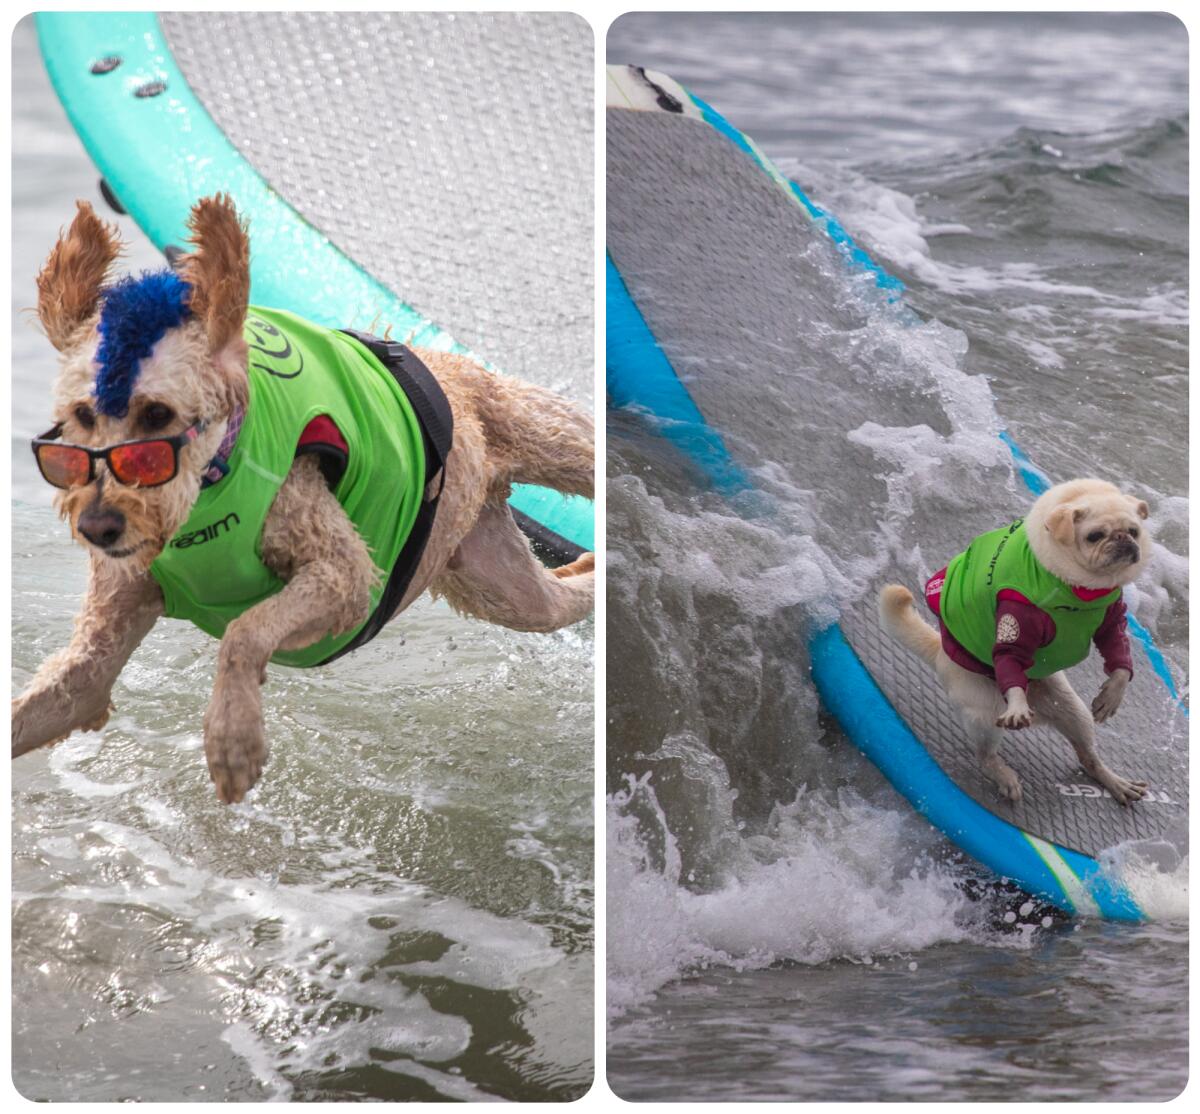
[(901, 621)]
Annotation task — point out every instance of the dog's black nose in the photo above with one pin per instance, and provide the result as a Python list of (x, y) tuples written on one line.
[(1124, 548), (102, 526)]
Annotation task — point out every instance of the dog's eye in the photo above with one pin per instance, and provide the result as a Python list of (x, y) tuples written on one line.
[(84, 416), (157, 416), (1133, 531), (1095, 536)]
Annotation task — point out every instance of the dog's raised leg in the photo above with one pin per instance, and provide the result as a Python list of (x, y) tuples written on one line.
[(309, 542), (72, 688), (1053, 698), (979, 703), (494, 575)]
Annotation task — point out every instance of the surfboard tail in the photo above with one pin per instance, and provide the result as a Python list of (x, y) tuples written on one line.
[(898, 611)]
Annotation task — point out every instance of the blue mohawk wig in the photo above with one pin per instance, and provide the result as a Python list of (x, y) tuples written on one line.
[(135, 314)]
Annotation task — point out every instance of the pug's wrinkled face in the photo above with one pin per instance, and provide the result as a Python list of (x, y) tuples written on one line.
[(1100, 536)]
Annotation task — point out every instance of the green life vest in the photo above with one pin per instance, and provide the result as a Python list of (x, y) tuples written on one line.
[(211, 571), (1003, 559)]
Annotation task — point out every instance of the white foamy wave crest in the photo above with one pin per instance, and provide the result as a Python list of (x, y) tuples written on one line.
[(883, 220), (832, 877), (1159, 597), (1167, 306), (1156, 875)]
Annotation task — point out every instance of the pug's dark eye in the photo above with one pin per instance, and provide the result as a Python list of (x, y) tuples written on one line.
[(1095, 536), (1133, 531), (157, 416), (84, 416)]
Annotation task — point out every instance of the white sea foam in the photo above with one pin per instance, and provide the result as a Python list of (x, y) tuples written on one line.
[(889, 224), (831, 877), (1156, 875)]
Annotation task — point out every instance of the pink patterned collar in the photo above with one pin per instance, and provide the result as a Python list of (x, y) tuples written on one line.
[(218, 466)]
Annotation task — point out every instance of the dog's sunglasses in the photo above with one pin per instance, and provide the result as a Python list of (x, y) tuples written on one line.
[(148, 463)]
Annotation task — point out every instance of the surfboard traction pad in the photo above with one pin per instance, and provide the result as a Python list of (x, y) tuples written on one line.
[(1146, 740), (510, 279), (668, 172)]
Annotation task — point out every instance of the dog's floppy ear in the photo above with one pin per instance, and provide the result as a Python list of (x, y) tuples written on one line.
[(69, 284), (1061, 522), (218, 272), (1143, 510)]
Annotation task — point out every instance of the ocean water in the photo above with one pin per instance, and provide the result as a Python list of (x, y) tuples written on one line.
[(780, 923), (403, 907)]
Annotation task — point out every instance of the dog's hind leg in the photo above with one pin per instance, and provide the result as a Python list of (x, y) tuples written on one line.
[(535, 436), (979, 702), (494, 575), (584, 563), (1054, 699), (987, 747)]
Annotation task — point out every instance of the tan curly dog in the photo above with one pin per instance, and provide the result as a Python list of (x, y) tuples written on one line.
[(192, 383)]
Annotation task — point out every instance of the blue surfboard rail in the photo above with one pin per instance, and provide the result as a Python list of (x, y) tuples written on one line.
[(1066, 878), (159, 154), (639, 374)]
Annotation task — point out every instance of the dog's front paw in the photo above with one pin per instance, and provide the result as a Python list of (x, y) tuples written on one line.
[(24, 738), (1016, 710), (36, 722), (1111, 693), (235, 744)]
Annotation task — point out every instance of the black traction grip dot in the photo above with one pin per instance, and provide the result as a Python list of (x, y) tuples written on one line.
[(114, 204)]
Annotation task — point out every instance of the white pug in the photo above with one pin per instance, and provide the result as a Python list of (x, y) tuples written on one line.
[(1025, 602)]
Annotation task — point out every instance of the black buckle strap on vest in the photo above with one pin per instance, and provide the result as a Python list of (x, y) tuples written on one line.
[(424, 392), (437, 433)]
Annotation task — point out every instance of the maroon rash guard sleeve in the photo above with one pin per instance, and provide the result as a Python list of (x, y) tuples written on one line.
[(1021, 630), (1112, 639)]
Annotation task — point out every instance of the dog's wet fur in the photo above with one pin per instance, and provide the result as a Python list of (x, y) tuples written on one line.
[(505, 432)]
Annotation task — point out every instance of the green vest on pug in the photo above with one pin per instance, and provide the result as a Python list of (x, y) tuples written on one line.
[(1003, 559), (211, 571)]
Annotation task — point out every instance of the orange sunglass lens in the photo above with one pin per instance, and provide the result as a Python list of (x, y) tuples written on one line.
[(63, 466), (150, 463)]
